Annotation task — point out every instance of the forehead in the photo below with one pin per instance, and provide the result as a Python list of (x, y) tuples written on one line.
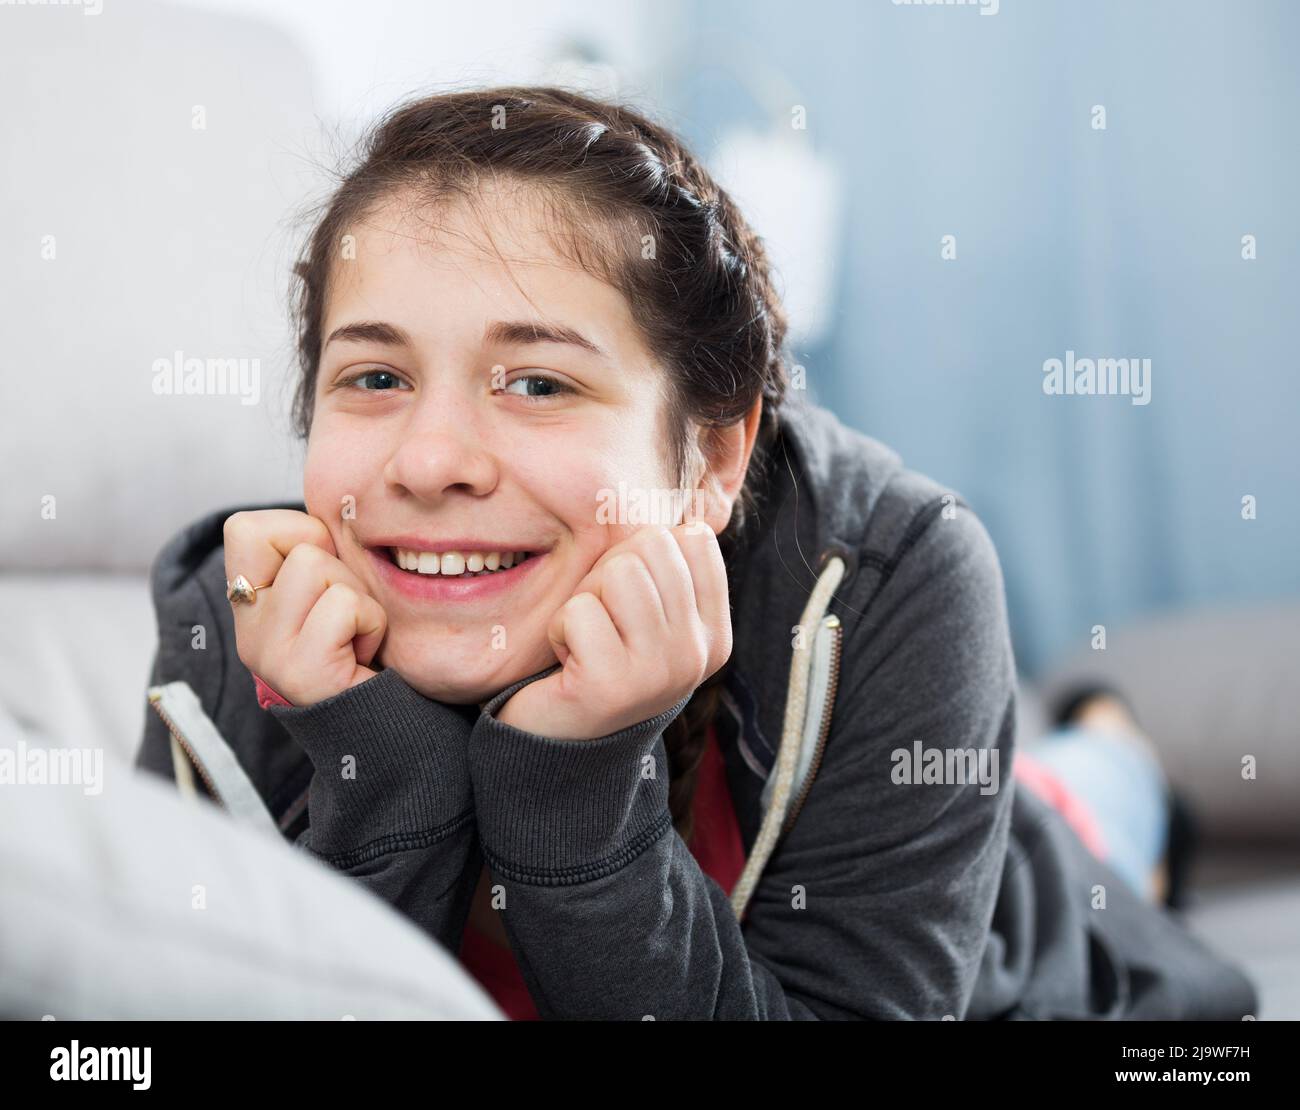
[(450, 263)]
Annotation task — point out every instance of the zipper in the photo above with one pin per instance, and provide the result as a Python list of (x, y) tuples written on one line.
[(837, 635), (156, 701)]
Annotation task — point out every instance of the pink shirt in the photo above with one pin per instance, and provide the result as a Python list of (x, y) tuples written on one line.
[(266, 697), (1048, 786)]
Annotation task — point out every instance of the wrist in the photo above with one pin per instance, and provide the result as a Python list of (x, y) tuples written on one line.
[(389, 763), (551, 810)]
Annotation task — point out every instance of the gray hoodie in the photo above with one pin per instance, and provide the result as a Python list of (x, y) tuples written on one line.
[(893, 868)]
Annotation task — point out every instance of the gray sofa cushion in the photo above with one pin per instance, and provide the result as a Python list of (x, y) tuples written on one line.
[(1212, 687)]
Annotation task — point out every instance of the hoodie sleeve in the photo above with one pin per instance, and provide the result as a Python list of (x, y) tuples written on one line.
[(390, 802), (877, 903), (607, 912)]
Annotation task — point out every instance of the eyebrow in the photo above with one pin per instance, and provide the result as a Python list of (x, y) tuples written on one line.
[(371, 331), (504, 332), (522, 332)]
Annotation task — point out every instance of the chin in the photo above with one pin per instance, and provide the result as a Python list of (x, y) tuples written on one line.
[(436, 681)]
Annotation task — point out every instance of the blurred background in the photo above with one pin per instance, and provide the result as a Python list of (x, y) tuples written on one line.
[(159, 159)]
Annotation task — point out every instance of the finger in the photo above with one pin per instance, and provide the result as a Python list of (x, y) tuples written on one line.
[(658, 550), (258, 541), (339, 618), (626, 588), (372, 624), (306, 574), (663, 556), (699, 547), (582, 629)]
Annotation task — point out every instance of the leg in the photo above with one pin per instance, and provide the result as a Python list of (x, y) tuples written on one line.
[(1104, 758)]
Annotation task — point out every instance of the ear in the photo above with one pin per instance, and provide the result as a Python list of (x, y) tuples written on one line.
[(726, 454)]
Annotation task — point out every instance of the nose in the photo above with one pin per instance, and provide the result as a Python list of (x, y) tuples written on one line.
[(444, 448)]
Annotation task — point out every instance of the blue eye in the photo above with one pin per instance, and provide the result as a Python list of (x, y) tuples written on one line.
[(388, 379), (537, 387)]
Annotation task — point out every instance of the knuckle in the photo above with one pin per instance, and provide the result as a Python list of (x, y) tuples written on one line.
[(236, 526), (244, 649), (657, 540), (318, 528), (700, 534), (581, 602), (302, 555), (698, 656), (622, 565), (341, 592)]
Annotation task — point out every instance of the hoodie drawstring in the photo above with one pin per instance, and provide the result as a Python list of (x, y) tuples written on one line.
[(792, 734)]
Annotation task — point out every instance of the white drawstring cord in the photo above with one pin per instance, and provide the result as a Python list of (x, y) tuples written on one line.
[(787, 759)]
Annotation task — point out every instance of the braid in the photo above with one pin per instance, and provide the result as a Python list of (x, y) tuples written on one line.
[(686, 740)]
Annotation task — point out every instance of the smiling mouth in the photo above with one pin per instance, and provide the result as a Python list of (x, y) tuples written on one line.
[(455, 564)]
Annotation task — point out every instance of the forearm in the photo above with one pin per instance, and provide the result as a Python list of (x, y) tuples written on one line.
[(390, 802), (608, 913)]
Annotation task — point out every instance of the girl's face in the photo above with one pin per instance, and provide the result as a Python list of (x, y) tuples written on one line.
[(469, 411)]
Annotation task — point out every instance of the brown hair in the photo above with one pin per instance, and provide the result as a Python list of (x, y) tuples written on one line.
[(631, 205)]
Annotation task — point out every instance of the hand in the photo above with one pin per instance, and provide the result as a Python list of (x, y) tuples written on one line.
[(311, 634), (647, 625)]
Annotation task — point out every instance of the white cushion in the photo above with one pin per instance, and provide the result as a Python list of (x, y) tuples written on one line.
[(166, 238), (98, 919), (75, 655)]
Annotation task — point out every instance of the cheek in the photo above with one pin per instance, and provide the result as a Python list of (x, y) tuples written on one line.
[(332, 490), (323, 480), (339, 466), (577, 480), (564, 487)]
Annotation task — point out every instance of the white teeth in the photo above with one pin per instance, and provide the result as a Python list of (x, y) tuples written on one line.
[(455, 563)]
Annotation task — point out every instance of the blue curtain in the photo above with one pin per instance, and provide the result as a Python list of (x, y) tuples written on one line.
[(1114, 243)]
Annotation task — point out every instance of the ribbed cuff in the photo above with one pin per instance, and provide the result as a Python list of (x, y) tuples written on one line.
[(556, 812), (406, 782)]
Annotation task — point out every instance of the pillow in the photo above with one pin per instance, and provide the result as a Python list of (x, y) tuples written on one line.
[(99, 919)]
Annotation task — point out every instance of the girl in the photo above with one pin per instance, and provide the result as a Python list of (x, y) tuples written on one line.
[(634, 679)]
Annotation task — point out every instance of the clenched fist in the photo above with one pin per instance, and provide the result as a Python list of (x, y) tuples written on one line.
[(314, 631), (647, 625)]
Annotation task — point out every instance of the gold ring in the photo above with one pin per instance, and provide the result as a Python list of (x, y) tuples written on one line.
[(241, 590)]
